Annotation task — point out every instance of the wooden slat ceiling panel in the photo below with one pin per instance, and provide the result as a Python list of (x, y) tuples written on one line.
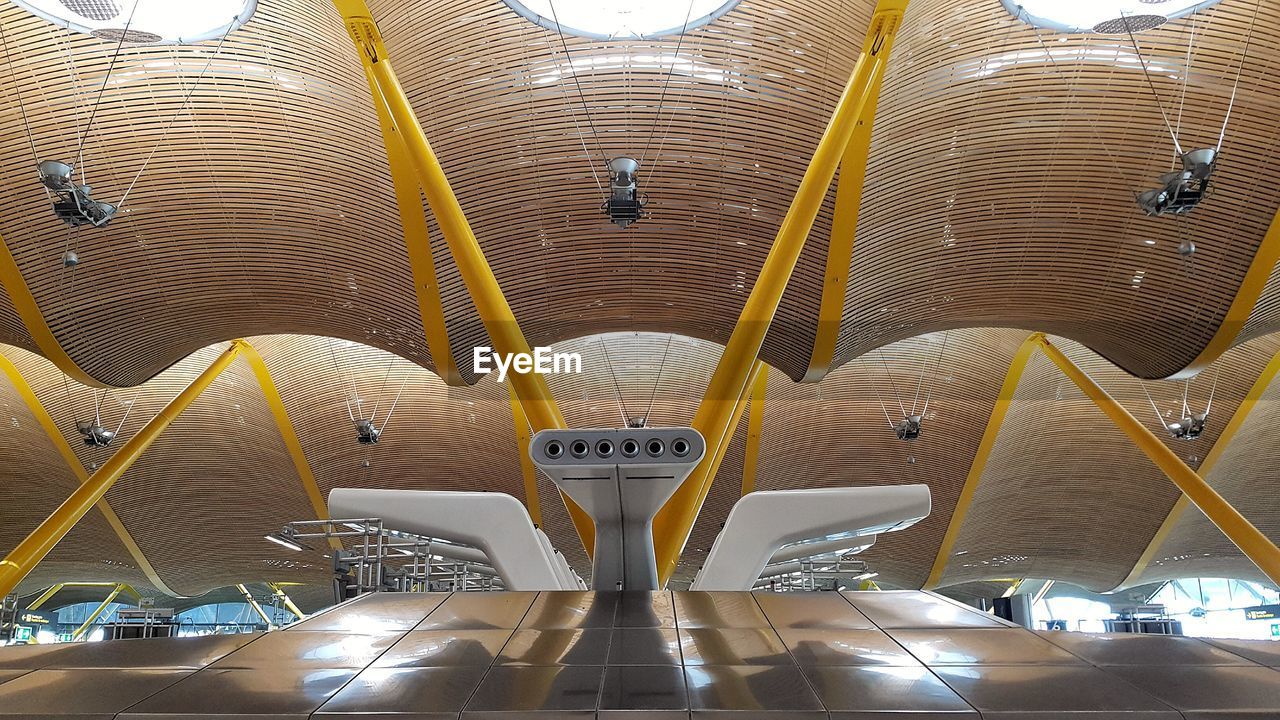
[(1064, 492)]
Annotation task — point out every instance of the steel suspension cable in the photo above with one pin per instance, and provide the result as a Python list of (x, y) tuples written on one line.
[(657, 118), (1244, 56), (101, 91), (1147, 74)]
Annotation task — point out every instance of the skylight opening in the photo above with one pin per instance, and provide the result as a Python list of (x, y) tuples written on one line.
[(162, 22), (621, 19), (1103, 16)]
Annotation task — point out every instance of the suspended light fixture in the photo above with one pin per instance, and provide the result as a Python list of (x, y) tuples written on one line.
[(167, 22), (610, 19), (1189, 425), (908, 428), (286, 538), (366, 432), (74, 205), (95, 435), (1182, 190), (625, 204)]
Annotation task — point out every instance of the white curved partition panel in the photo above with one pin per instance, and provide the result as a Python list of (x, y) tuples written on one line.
[(496, 523), (763, 522)]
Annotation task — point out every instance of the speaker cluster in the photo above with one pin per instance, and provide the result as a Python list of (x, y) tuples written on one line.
[(581, 448)]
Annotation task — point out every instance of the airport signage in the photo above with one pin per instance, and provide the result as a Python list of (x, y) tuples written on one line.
[(1262, 612)]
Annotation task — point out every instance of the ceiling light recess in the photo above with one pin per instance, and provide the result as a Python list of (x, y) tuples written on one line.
[(613, 19), (1103, 16), (166, 22)]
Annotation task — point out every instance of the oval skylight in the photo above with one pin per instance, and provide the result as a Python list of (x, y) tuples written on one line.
[(1106, 16), (148, 21), (607, 19)]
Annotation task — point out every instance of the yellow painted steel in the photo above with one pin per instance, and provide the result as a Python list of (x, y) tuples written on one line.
[(417, 242), (732, 375), (55, 436), (25, 305), (844, 225), (755, 425), (287, 601), (1011, 379), (1255, 280), (52, 590), (1220, 445), (668, 541), (33, 549), (111, 597), (1013, 587), (500, 322), (527, 469), (48, 593), (248, 597), (1255, 546), (288, 435)]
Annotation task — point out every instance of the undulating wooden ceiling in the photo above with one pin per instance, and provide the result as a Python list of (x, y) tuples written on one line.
[(999, 194)]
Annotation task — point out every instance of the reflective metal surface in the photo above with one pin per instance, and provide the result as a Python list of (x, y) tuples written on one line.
[(375, 613), (1051, 692), (556, 647), (904, 692), (982, 646), (242, 694), (404, 693), (909, 609), (1134, 649), (85, 694), (445, 648), (660, 656)]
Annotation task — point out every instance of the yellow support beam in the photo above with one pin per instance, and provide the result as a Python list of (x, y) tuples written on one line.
[(1011, 379), (48, 593), (1255, 280), (844, 226), (37, 545), (731, 379), (55, 436), (248, 597), (417, 242), (288, 435), (755, 426), (527, 469), (1229, 431), (25, 305), (84, 627), (1255, 546), (486, 294), (667, 541), (287, 601)]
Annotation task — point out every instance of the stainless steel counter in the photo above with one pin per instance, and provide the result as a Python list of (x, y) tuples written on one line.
[(647, 656)]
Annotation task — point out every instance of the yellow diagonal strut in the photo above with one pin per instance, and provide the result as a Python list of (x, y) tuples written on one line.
[(1219, 446), (37, 545), (77, 468), (730, 380), (531, 388), (1255, 546), (755, 428)]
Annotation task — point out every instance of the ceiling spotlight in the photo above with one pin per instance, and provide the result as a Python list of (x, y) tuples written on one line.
[(908, 428), (625, 204), (285, 538), (637, 421), (95, 435), (74, 205), (366, 432), (1188, 428), (1182, 190)]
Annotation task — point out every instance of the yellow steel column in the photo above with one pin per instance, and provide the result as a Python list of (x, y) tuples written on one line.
[(115, 592), (32, 550), (844, 225), (527, 469), (755, 426), (1219, 446), (1011, 379), (44, 596), (248, 597), (1255, 546), (288, 435), (731, 378), (500, 322), (77, 468), (668, 541)]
